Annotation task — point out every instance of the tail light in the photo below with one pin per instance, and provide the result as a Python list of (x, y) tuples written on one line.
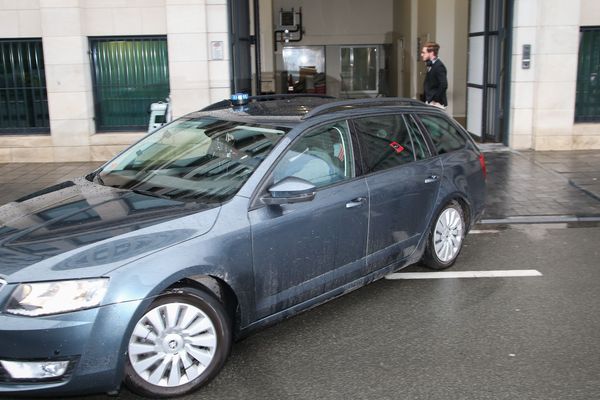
[(482, 162)]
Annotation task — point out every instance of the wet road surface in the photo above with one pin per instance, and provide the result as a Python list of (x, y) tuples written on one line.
[(482, 338)]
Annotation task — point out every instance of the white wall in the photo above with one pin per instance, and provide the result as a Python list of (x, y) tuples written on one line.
[(523, 80), (590, 13), (20, 19), (342, 21), (557, 55), (543, 97), (196, 79)]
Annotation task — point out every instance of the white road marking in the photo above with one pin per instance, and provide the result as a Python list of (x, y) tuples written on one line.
[(480, 231), (464, 274)]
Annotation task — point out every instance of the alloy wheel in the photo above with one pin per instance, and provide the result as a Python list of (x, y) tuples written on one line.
[(172, 344), (448, 234)]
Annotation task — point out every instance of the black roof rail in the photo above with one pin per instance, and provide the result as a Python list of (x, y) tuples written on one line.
[(285, 96), (358, 103), (226, 103)]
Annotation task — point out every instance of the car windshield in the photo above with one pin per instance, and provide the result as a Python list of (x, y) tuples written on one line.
[(193, 159)]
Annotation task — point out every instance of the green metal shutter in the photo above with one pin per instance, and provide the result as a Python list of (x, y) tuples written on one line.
[(23, 95), (587, 105), (129, 74)]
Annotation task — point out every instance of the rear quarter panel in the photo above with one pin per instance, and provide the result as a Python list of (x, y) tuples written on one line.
[(464, 178)]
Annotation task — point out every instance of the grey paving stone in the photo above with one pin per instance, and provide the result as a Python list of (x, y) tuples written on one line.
[(529, 183)]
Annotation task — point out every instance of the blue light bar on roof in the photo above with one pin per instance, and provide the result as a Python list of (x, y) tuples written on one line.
[(239, 98)]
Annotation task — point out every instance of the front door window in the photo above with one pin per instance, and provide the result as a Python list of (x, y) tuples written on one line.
[(321, 157)]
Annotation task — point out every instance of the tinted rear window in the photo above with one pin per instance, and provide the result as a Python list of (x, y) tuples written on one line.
[(445, 136), (386, 142)]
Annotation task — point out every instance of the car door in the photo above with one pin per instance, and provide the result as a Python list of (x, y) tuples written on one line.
[(403, 183), (462, 164), (302, 250)]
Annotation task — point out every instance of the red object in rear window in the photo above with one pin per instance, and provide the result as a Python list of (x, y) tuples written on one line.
[(396, 146), (482, 162)]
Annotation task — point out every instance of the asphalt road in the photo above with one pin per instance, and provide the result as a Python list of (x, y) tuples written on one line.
[(483, 338)]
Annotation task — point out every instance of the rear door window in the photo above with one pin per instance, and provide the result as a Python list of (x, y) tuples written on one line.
[(444, 135), (386, 142)]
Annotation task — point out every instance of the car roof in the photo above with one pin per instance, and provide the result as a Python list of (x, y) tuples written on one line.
[(292, 109)]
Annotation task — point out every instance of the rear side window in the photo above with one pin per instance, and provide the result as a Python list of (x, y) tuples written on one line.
[(445, 136), (386, 142)]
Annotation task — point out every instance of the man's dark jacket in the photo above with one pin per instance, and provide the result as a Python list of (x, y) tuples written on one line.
[(436, 83)]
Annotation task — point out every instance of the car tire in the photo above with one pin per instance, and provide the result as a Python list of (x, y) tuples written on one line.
[(445, 238), (180, 343)]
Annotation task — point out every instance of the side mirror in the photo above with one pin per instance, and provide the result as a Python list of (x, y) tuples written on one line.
[(290, 190)]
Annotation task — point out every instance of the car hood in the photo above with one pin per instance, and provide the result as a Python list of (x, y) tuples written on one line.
[(82, 229)]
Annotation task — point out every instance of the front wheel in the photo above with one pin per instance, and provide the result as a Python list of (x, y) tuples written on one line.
[(445, 238), (178, 345)]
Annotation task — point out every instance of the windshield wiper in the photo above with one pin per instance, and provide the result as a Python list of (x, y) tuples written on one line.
[(99, 179), (95, 177)]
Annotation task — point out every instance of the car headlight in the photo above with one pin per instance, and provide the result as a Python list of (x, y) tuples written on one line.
[(46, 298)]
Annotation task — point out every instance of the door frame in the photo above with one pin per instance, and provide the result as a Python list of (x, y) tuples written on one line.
[(497, 43)]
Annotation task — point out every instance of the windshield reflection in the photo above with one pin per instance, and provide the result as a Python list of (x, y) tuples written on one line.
[(193, 159)]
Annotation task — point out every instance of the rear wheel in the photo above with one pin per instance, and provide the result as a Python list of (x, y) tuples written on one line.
[(445, 238), (178, 345)]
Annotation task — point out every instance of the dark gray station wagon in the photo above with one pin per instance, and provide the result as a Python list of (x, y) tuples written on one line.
[(223, 221)]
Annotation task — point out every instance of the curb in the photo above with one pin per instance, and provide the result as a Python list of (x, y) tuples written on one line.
[(540, 219), (589, 193)]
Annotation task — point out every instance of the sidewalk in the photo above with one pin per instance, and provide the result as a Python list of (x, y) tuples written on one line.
[(19, 179), (523, 186), (552, 186)]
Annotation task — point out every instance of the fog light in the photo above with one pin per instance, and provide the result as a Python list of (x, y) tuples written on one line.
[(35, 369)]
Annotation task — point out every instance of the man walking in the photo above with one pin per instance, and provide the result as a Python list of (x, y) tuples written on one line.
[(436, 82)]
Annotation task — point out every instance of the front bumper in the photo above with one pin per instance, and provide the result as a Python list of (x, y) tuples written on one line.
[(92, 340)]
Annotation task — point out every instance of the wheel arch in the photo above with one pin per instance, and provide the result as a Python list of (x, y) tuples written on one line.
[(220, 289), (467, 211), (462, 201), (218, 298), (201, 280)]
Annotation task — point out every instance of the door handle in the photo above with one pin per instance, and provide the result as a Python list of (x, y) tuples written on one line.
[(432, 178), (359, 201)]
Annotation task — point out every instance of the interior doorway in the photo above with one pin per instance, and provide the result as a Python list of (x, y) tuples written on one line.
[(353, 48)]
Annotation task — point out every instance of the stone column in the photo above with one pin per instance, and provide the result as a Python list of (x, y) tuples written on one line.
[(196, 78), (70, 100), (557, 54), (543, 96), (218, 56), (523, 80)]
